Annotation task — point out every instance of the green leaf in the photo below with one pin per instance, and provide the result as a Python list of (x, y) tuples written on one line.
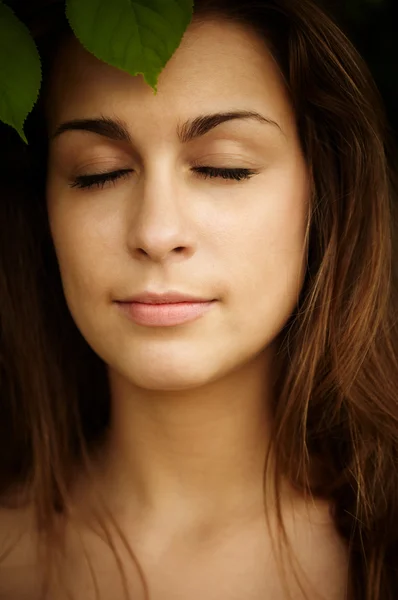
[(20, 71), (138, 37)]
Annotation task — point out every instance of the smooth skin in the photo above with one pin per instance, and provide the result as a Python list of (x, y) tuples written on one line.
[(182, 466)]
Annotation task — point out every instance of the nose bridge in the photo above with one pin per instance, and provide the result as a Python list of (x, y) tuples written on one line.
[(158, 221)]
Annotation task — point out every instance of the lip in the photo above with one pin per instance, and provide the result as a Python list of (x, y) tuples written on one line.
[(164, 309), (170, 297), (165, 314)]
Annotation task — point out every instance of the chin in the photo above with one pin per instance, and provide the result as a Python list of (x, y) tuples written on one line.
[(171, 375)]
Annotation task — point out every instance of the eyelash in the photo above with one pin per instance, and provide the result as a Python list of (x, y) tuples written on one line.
[(90, 181)]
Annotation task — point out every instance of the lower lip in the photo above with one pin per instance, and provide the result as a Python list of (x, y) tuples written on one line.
[(164, 315)]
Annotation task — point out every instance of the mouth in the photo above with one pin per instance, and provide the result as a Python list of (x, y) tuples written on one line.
[(165, 314), (170, 297)]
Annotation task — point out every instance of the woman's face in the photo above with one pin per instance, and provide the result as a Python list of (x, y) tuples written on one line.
[(164, 226)]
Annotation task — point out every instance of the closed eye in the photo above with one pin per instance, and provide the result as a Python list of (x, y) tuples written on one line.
[(101, 179)]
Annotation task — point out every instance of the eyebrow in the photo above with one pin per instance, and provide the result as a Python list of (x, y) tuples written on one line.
[(116, 129)]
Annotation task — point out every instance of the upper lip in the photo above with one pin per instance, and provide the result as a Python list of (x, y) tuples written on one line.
[(165, 298)]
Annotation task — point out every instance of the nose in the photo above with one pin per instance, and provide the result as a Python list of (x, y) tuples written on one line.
[(160, 226)]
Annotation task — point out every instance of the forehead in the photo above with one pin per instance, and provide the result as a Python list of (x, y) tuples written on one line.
[(218, 64)]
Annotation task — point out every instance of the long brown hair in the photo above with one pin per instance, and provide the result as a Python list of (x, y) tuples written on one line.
[(335, 423)]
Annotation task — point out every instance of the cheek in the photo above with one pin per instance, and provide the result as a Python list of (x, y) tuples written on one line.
[(268, 239), (269, 266), (82, 257), (266, 293)]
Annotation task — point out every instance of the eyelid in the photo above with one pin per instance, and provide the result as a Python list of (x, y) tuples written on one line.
[(240, 164), (116, 173), (107, 165), (100, 180)]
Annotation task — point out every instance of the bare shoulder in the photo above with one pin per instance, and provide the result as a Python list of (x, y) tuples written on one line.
[(323, 553), (15, 525), (18, 555)]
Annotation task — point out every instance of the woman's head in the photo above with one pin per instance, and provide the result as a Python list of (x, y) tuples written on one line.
[(164, 226), (326, 293)]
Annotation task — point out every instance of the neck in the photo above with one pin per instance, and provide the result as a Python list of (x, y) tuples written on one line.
[(192, 456)]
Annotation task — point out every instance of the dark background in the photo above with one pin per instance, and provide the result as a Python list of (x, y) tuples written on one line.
[(372, 26)]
